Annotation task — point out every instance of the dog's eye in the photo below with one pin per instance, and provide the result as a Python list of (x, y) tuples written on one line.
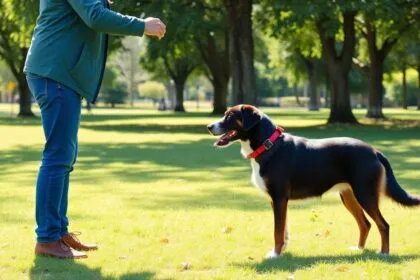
[(229, 116)]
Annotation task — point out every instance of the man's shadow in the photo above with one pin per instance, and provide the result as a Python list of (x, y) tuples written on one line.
[(52, 268)]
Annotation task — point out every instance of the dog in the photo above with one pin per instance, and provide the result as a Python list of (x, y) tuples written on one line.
[(288, 167)]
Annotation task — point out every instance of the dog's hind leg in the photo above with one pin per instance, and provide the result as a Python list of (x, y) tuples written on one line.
[(350, 202), (366, 187)]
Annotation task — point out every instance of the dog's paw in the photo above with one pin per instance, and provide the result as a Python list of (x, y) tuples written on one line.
[(355, 248), (272, 255)]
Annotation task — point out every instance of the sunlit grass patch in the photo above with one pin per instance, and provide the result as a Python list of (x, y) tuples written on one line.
[(163, 203)]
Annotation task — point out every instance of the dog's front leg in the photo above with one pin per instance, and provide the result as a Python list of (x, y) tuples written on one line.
[(279, 206)]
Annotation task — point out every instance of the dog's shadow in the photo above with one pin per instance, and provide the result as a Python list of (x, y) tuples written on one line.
[(288, 262)]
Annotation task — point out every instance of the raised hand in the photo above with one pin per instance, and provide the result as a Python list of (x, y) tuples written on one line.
[(154, 27)]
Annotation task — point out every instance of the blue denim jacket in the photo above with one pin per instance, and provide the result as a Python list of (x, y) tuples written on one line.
[(69, 43)]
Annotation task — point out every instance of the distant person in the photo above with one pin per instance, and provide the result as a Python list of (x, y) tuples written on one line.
[(162, 105), (66, 63)]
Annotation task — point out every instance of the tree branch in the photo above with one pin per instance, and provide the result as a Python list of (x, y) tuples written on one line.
[(361, 66)]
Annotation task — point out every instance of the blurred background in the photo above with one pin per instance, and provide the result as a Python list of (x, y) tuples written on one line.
[(309, 54)]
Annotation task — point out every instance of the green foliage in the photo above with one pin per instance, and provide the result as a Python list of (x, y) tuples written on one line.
[(152, 90), (114, 96), (176, 53), (5, 76), (112, 91), (17, 20), (393, 87)]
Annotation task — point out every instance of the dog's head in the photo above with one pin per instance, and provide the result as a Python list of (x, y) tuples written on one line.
[(235, 125)]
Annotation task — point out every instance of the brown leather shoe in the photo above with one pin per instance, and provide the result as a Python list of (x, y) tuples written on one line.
[(71, 240), (59, 250)]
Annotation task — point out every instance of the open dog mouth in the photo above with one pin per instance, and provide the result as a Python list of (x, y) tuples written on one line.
[(226, 138)]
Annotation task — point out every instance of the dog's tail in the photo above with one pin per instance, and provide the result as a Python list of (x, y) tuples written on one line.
[(393, 189)]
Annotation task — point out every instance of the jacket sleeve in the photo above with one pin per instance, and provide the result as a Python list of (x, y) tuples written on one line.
[(96, 16)]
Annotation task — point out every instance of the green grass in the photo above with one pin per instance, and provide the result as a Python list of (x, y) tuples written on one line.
[(153, 192)]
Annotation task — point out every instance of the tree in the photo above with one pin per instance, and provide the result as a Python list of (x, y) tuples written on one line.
[(177, 52), (339, 64), (5, 77), (242, 51), (403, 56), (301, 47), (381, 24), (335, 25), (211, 33), (207, 26), (126, 60), (17, 20), (152, 90), (113, 91), (413, 51)]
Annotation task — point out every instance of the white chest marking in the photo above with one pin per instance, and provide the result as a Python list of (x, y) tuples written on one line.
[(256, 179)]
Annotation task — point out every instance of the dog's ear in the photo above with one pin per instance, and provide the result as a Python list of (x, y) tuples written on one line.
[(250, 116)]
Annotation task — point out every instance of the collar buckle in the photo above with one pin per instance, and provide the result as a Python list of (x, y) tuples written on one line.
[(268, 144)]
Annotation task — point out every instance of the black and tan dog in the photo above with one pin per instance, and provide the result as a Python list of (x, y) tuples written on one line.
[(288, 167)]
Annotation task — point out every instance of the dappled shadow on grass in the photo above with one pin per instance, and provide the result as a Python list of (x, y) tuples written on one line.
[(290, 263), (52, 268), (146, 128), (178, 159), (219, 198)]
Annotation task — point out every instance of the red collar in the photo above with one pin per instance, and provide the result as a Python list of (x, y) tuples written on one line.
[(268, 144)]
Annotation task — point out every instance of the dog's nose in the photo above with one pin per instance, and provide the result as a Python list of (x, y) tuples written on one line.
[(210, 127)]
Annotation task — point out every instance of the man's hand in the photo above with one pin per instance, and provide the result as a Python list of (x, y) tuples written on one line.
[(154, 27)]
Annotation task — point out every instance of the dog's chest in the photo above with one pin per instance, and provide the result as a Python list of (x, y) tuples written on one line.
[(256, 178)]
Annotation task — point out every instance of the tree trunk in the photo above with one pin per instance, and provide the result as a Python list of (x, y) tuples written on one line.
[(313, 104), (376, 92), (25, 100), (296, 93), (242, 51), (404, 87), (418, 87), (220, 96), (179, 102), (218, 64), (171, 93), (338, 66), (340, 100)]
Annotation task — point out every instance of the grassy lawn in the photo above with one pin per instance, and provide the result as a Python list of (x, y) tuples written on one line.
[(164, 204)]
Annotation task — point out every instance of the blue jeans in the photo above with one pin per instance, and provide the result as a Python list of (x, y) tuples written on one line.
[(60, 114)]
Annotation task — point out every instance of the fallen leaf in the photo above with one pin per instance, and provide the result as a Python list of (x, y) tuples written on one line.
[(314, 217), (342, 268), (164, 241), (185, 266), (327, 233), (227, 230), (250, 258)]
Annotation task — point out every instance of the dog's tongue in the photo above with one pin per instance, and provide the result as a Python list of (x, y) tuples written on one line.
[(221, 142)]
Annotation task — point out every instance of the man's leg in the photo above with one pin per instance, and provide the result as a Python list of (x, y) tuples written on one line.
[(60, 112)]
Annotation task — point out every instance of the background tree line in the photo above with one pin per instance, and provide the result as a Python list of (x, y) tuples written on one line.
[(250, 50)]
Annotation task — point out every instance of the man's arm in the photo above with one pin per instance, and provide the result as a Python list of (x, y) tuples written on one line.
[(96, 16)]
